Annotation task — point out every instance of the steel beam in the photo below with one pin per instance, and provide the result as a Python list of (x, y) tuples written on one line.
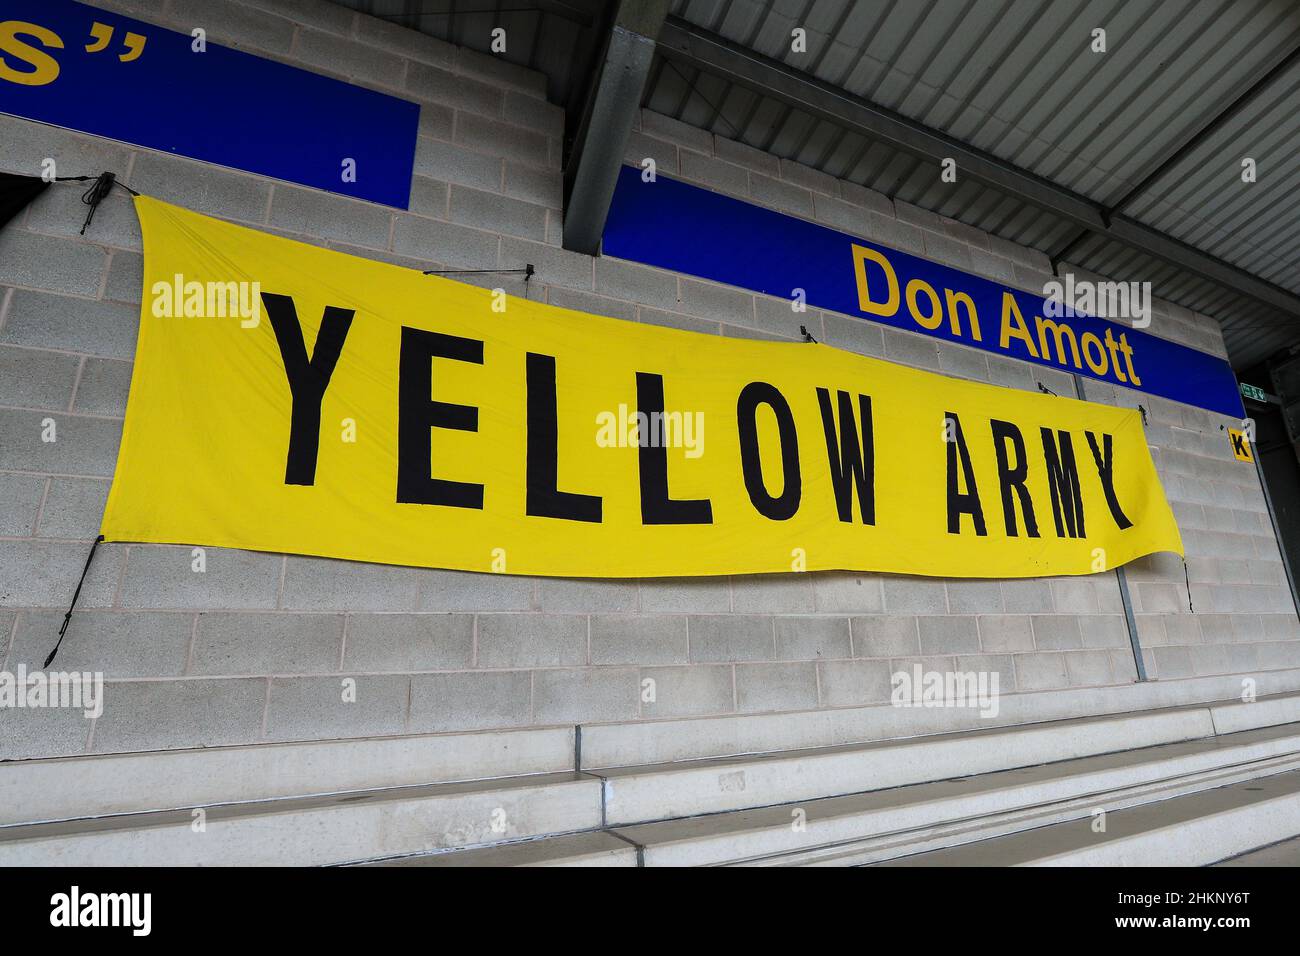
[(597, 154), (687, 43)]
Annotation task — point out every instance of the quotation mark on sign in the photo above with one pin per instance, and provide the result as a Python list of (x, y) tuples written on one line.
[(101, 34)]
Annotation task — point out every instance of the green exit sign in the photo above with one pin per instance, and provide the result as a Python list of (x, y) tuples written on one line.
[(1250, 391)]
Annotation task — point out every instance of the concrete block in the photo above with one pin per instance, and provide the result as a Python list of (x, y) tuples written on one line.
[(116, 644), (20, 500), (842, 591), (862, 196), (497, 213), (555, 267), (626, 280), (316, 13), (777, 317), (52, 321), (408, 642), (500, 72), (914, 595), (45, 574), (315, 708), (1075, 596), (809, 638), (229, 644), (853, 683), (1087, 668), (917, 351), (963, 362), (737, 637), (201, 187), (916, 216), (43, 732), (769, 593), (714, 173), (404, 41), (326, 216), (947, 249), (1027, 595), (882, 635), (35, 378), (1005, 633), (634, 639), (1104, 630), (674, 131), (346, 57), (780, 195), (1056, 632), (50, 262), (160, 576), (672, 320), (585, 694), (82, 446), (436, 121), (470, 701), (1040, 671), (1173, 662), (455, 247), (591, 304), (531, 640), (429, 82), (531, 112), (809, 178), (316, 584), (125, 281), (468, 591), (641, 147), (854, 335), (685, 595), (102, 388), (948, 635), (455, 164), (160, 715), (711, 301), (73, 508), (773, 686), (972, 596), (744, 155), (499, 139), (688, 691), (545, 187), (583, 595)]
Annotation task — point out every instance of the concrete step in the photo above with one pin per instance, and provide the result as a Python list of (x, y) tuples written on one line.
[(1192, 830), (66, 788), (867, 827), (698, 787), (309, 831), (1286, 853), (367, 822), (598, 848)]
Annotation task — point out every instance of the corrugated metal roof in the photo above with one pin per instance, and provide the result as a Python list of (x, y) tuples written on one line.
[(1017, 78)]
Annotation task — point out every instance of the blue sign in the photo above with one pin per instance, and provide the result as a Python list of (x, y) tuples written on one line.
[(86, 69), (677, 226)]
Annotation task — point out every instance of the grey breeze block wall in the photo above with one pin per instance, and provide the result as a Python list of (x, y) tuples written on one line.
[(256, 647)]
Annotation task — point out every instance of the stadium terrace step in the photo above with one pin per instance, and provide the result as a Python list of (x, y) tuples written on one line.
[(599, 848), (1192, 830), (308, 831), (715, 810)]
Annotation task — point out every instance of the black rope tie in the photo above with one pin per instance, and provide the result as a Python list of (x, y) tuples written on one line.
[(1188, 581), (100, 187), (807, 336), (67, 618), (1045, 390)]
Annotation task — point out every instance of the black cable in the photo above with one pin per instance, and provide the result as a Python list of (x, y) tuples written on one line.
[(100, 187), (67, 618)]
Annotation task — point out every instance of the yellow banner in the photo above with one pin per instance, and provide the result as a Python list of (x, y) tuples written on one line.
[(295, 399)]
